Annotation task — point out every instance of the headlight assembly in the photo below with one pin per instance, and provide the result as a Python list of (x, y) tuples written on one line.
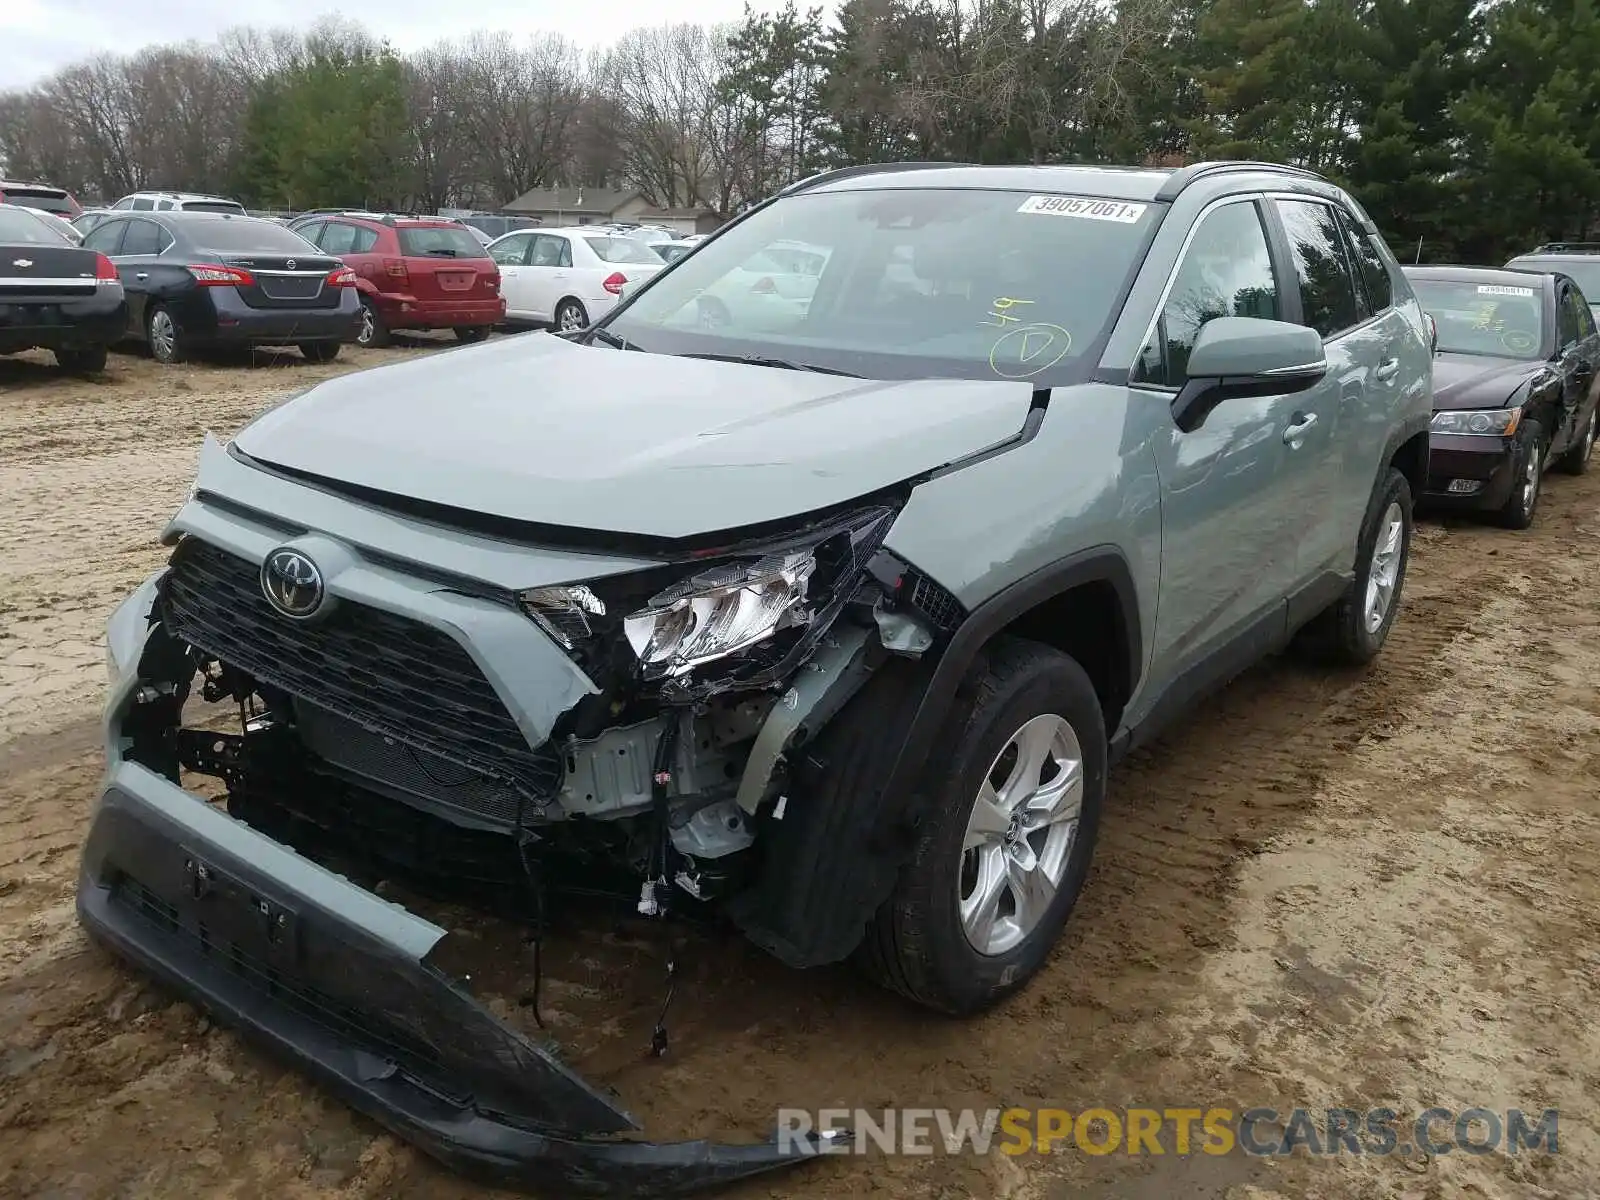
[(720, 611), (563, 612), (1495, 422)]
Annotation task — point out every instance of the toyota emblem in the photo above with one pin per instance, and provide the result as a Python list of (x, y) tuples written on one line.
[(292, 583)]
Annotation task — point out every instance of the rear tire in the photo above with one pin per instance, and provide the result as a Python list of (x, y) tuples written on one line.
[(571, 316), (371, 332), (84, 360), (935, 940), (1527, 480), (472, 333), (319, 352), (1349, 632), (1575, 461), (167, 344)]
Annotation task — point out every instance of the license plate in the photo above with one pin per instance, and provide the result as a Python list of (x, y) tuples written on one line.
[(232, 911), (456, 281)]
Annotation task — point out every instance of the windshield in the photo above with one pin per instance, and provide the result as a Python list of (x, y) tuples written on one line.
[(623, 250), (439, 241), (249, 234), (902, 283), (18, 225), (1484, 318)]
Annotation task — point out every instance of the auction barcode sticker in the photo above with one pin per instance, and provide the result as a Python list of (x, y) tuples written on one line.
[(1083, 206), (1492, 289)]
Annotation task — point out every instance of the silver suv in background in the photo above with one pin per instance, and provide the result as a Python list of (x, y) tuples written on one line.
[(178, 202), (832, 614)]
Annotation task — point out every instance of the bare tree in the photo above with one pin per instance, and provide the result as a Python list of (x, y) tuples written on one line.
[(519, 108)]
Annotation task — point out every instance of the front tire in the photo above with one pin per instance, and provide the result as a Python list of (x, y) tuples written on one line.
[(571, 317), (1528, 482), (167, 343), (1352, 630), (319, 352), (1005, 848), (84, 360), (1575, 461)]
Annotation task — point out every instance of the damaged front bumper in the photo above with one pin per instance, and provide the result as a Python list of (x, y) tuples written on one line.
[(345, 984)]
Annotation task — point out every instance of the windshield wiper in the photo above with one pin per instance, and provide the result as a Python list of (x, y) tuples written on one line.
[(613, 339), (783, 364)]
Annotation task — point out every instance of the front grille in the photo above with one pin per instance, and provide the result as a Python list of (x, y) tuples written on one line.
[(389, 674), (290, 287), (369, 1031)]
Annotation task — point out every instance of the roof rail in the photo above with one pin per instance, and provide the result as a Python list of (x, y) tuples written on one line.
[(1567, 248), (1184, 176), (802, 185)]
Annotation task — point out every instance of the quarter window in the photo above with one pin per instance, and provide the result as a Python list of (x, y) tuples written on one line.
[(1226, 272), (1322, 268)]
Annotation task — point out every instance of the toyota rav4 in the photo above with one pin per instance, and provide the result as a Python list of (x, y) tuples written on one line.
[(828, 616)]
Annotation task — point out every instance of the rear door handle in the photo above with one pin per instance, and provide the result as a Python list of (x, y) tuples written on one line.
[(1296, 433), (141, 275), (1388, 369)]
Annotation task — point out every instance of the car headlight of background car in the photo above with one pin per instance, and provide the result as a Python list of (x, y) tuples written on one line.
[(1499, 422), (770, 601)]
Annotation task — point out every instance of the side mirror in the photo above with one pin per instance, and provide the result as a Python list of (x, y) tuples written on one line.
[(1245, 356)]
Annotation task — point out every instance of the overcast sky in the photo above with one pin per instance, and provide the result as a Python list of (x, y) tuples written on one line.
[(41, 36)]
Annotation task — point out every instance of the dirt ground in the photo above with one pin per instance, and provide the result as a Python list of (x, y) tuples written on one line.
[(1329, 891)]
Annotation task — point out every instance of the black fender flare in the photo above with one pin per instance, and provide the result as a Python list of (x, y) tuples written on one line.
[(1102, 564)]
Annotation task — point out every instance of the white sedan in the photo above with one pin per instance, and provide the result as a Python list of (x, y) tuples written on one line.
[(568, 277)]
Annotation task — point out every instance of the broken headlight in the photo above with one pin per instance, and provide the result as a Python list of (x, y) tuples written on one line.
[(563, 612), (721, 610), (744, 601)]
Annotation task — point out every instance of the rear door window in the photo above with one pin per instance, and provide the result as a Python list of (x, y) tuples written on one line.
[(438, 241), (365, 239), (551, 251), (1322, 266), (338, 238), (1370, 264), (143, 237)]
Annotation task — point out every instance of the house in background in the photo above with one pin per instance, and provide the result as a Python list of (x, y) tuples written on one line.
[(596, 206)]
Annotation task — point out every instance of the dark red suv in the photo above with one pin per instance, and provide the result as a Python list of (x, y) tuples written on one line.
[(412, 272)]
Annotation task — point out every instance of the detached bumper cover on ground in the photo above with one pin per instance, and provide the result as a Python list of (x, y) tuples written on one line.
[(340, 981)]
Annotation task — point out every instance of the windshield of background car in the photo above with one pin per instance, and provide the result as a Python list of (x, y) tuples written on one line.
[(624, 250), (17, 225), (1496, 319), (903, 283), (439, 241), (249, 234)]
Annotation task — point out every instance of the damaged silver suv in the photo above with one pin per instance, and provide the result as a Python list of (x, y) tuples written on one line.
[(817, 586)]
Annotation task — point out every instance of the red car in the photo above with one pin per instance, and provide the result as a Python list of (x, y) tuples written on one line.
[(412, 272)]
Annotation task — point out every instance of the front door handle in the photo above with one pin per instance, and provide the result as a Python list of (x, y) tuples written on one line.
[(1388, 369), (141, 275), (1296, 433)]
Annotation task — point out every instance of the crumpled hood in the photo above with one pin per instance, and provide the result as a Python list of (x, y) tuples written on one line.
[(1463, 381), (535, 428)]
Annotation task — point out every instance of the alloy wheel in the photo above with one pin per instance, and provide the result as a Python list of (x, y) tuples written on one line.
[(571, 319), (1384, 568), (1020, 834), (1529, 489), (163, 335), (364, 335)]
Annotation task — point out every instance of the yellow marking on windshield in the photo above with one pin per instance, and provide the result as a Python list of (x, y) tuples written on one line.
[(1028, 350), (1001, 312)]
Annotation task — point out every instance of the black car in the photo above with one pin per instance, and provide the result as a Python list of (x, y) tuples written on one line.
[(56, 295), (1579, 261), (1514, 385), (199, 280)]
